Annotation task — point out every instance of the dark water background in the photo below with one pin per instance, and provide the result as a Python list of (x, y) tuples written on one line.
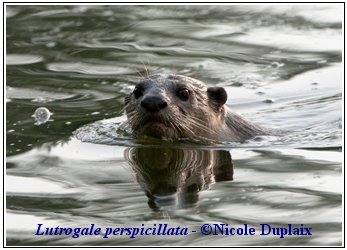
[(281, 66)]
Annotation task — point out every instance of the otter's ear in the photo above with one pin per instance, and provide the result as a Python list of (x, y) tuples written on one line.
[(217, 95)]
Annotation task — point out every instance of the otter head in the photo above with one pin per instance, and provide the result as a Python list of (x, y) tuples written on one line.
[(175, 107)]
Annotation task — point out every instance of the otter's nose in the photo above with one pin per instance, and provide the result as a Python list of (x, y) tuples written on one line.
[(153, 104)]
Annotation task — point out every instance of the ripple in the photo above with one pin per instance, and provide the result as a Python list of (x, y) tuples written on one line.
[(33, 185), (11, 12), (50, 13), (107, 132), (36, 95), (87, 68), (17, 59)]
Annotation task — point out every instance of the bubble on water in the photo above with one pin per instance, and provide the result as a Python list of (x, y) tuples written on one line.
[(41, 115)]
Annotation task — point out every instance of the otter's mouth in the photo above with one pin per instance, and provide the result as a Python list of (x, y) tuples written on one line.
[(155, 128)]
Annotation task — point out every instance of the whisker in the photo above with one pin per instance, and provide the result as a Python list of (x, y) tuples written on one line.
[(145, 68), (139, 73), (199, 125)]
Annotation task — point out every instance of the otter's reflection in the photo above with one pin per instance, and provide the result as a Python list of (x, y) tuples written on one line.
[(172, 178)]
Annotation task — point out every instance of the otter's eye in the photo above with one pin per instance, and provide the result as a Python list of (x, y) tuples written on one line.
[(183, 94), (137, 92)]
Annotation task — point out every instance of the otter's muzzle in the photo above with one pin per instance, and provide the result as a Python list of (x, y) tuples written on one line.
[(153, 104)]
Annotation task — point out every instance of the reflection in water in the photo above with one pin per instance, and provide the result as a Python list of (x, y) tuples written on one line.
[(172, 177)]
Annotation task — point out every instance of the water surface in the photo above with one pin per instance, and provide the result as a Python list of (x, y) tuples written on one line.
[(282, 68)]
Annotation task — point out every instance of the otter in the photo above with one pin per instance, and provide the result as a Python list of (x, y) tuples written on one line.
[(176, 107)]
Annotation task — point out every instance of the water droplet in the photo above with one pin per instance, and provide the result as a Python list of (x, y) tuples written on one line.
[(41, 115)]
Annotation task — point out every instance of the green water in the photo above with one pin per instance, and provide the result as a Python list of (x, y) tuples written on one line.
[(282, 68)]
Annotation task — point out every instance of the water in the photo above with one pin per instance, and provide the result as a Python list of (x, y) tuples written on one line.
[(281, 66)]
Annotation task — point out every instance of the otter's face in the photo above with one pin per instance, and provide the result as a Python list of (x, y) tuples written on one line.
[(174, 107)]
